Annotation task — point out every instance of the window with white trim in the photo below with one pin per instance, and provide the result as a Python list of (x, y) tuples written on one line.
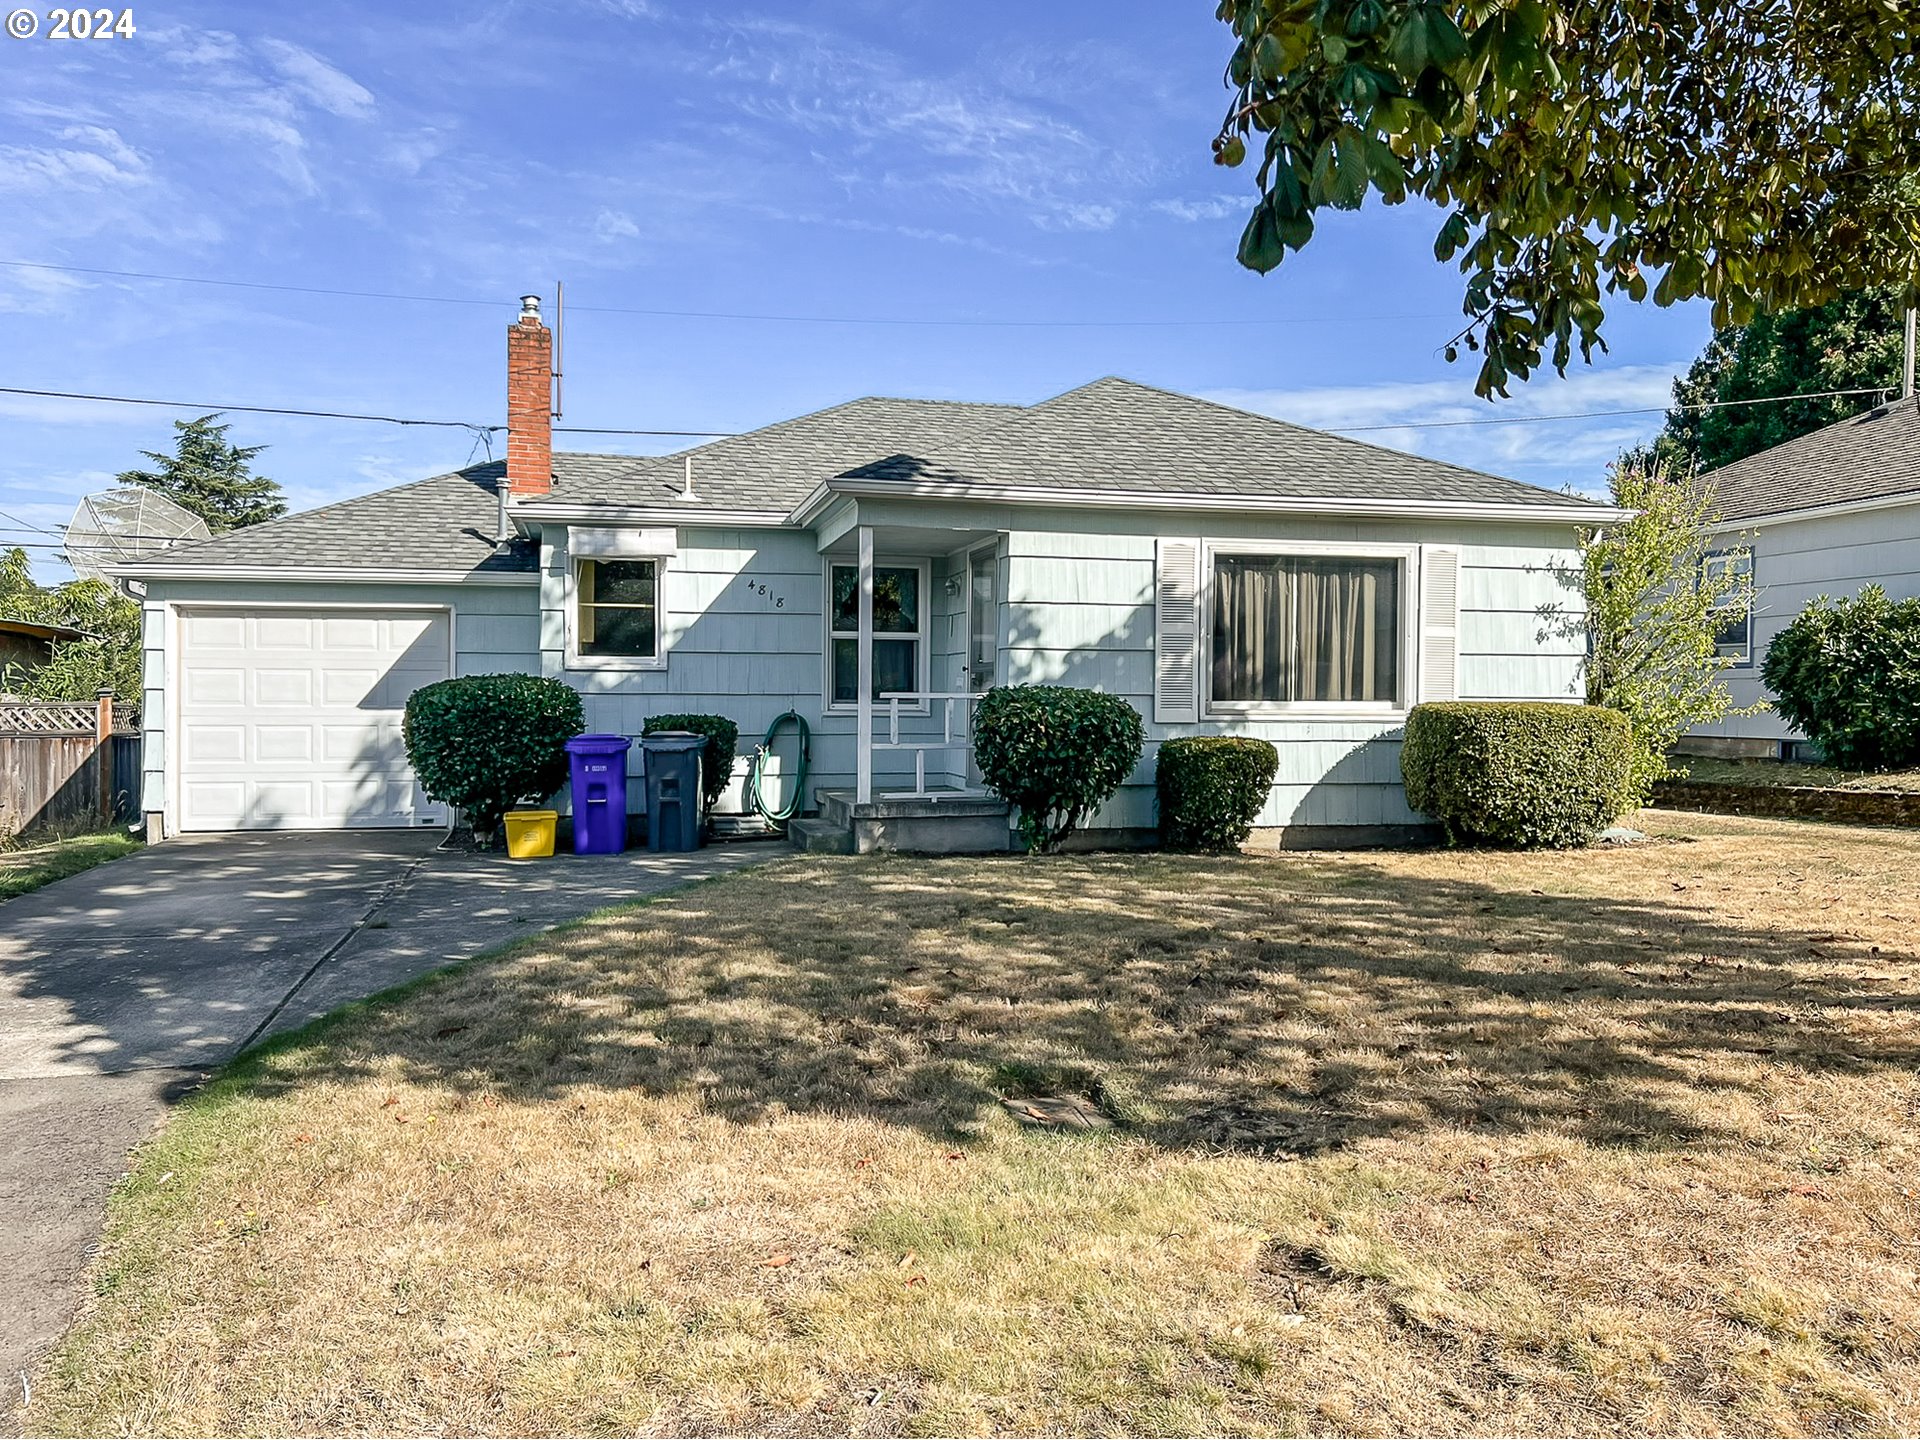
[(899, 630), (1734, 638), (1309, 630), (616, 610)]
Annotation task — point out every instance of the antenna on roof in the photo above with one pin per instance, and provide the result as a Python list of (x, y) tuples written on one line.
[(686, 483), (559, 340), (1906, 392)]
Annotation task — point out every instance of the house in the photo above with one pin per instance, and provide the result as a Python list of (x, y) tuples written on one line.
[(27, 645), (1223, 571), (1827, 513)]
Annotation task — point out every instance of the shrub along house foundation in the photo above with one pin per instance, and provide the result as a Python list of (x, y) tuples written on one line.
[(872, 567)]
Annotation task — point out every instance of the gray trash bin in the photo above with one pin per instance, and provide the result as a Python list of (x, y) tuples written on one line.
[(672, 759)]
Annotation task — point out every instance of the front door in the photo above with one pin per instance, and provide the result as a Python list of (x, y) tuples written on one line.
[(983, 619), (983, 631)]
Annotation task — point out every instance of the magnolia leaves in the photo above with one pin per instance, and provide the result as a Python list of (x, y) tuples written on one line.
[(1760, 157)]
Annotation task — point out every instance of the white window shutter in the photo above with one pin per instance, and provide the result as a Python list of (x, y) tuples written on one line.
[(1176, 632), (1439, 622)]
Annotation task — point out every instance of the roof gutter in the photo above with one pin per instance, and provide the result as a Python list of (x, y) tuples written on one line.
[(1575, 513), (696, 513), (294, 573)]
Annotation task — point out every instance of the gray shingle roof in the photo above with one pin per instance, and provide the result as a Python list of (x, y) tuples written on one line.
[(1116, 435), (445, 523), (1112, 435), (777, 466), (1868, 457)]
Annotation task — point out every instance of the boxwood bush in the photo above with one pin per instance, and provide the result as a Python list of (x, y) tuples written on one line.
[(723, 740), (1056, 753), (488, 742), (1211, 788), (1847, 673), (1525, 773)]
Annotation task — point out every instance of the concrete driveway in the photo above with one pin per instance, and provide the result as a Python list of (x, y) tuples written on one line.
[(121, 987)]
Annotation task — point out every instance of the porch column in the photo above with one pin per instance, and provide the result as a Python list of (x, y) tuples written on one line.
[(863, 699)]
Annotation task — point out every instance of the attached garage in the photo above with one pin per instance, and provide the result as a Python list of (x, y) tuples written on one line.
[(289, 717)]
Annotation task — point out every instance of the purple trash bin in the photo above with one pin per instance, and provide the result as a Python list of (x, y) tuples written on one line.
[(599, 773)]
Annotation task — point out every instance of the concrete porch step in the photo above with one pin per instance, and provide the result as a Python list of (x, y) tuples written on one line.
[(953, 823), (820, 836)]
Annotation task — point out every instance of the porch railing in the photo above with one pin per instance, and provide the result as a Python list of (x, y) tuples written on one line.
[(894, 704)]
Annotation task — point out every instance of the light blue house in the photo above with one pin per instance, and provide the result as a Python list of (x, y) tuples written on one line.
[(1224, 572)]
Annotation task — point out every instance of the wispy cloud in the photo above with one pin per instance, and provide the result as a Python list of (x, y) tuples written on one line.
[(1219, 207), (1445, 420), (324, 85)]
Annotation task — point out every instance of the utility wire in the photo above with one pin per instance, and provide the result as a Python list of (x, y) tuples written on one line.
[(327, 414), (720, 434), (26, 524), (1605, 414), (884, 320)]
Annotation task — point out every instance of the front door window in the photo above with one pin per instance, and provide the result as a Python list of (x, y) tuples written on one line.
[(983, 628)]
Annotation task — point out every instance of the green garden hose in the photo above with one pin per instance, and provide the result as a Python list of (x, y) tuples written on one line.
[(796, 796)]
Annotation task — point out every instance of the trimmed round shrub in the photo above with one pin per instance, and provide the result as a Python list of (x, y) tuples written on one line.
[(1524, 773), (1846, 673), (1055, 753), (723, 741), (489, 742), (1211, 788)]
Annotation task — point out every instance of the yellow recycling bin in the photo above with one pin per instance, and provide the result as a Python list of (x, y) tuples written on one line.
[(530, 833)]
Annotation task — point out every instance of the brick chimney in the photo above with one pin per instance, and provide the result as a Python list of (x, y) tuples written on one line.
[(529, 402)]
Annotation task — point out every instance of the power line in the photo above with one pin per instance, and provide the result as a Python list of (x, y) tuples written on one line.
[(27, 524), (206, 408), (721, 434), (1604, 414), (250, 409), (740, 315)]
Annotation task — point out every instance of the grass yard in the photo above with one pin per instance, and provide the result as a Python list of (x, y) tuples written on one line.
[(1440, 1142), (35, 865), (1711, 771)]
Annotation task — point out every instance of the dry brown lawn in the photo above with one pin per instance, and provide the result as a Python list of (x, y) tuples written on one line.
[(1441, 1142)]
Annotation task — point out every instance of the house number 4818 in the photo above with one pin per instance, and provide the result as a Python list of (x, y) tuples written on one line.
[(765, 591)]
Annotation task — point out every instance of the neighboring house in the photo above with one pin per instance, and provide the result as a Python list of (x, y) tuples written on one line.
[(26, 645), (1828, 513), (1224, 572)]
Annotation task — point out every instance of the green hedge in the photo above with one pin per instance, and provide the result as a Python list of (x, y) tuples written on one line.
[(489, 742), (723, 741), (1055, 753), (1211, 788), (1847, 674), (1525, 773)]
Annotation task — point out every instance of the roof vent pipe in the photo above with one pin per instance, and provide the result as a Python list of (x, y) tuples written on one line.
[(686, 483)]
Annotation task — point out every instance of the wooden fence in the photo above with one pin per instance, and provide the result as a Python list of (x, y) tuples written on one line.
[(63, 767)]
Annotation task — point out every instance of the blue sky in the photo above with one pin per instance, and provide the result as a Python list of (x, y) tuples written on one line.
[(982, 162)]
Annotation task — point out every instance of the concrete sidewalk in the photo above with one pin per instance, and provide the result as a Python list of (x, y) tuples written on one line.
[(122, 986)]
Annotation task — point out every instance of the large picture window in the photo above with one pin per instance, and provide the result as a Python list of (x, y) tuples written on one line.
[(899, 629), (616, 609), (1306, 630)]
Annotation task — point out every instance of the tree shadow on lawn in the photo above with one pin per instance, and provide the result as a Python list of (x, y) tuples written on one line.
[(1268, 1007)]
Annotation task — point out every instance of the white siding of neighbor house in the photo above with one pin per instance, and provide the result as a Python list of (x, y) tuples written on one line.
[(496, 629), (1080, 612), (1796, 560)]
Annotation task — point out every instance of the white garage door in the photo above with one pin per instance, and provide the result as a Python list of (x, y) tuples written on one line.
[(290, 719)]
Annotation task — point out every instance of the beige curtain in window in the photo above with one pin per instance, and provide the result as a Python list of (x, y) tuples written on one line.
[(1348, 615), (1250, 596)]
